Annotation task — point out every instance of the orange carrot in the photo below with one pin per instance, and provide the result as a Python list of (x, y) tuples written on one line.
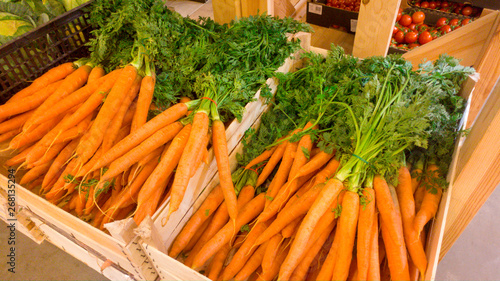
[(35, 172), (388, 211), (271, 164), (273, 246), (365, 230), (198, 131), (346, 228), (430, 202), (93, 139), (54, 74), (59, 161), (261, 158), (160, 121), (222, 159), (291, 228), (248, 213), (244, 252), (10, 134), (208, 206), (302, 154), (374, 266), (203, 227), (272, 271), (396, 255), (416, 175), (51, 153), (19, 158), (407, 208), (96, 73), (34, 135), (150, 144), (143, 102), (70, 84), (254, 262), (326, 197), (326, 271), (15, 122)]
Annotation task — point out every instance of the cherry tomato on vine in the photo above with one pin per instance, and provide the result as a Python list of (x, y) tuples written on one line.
[(418, 17), (422, 27), (432, 5), (445, 4), (405, 20), (442, 21), (424, 37), (395, 30), (400, 14), (424, 4), (465, 21), (453, 22), (413, 45), (411, 37), (445, 29), (467, 11), (399, 37), (412, 27)]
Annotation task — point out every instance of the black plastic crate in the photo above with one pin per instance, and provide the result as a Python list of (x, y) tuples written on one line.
[(319, 13), (30, 55)]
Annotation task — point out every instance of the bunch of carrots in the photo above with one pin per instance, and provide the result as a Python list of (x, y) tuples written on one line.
[(84, 136), (327, 190)]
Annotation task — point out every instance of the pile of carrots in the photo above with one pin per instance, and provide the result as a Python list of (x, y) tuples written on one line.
[(311, 228)]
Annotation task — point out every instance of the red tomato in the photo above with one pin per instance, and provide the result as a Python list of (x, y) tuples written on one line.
[(422, 27), (412, 27), (413, 45), (425, 37), (405, 20), (418, 17), (453, 22), (442, 21), (445, 29), (445, 4), (411, 37), (457, 10), (416, 4), (438, 3), (400, 14), (432, 5), (465, 21), (434, 33), (424, 4), (399, 37), (395, 30), (467, 11)]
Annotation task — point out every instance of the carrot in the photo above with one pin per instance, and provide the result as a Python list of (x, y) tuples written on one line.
[(244, 252), (160, 121), (10, 134), (51, 153), (217, 262), (198, 131), (261, 158), (71, 83), (117, 121), (76, 98), (271, 164), (407, 208), (388, 211), (28, 103), (365, 231), (54, 74), (248, 213), (222, 159), (93, 139), (314, 247), (430, 202), (211, 203), (153, 142), (253, 262), (15, 122), (270, 272), (374, 265), (346, 228), (197, 234), (34, 173), (396, 255), (326, 270), (34, 135), (292, 185), (302, 154), (288, 215), (326, 197), (416, 175), (143, 102), (284, 169), (96, 73), (59, 161), (271, 252), (291, 228)]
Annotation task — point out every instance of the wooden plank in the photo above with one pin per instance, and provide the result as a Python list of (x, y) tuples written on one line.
[(478, 171), (283, 8), (488, 67), (226, 10), (464, 43), (374, 29)]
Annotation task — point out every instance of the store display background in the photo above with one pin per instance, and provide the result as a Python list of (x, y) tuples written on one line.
[(474, 256)]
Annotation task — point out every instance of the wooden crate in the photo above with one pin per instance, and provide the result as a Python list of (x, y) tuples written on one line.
[(155, 242), (46, 221)]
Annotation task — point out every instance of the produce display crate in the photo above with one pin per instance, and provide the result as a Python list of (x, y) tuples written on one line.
[(320, 14), (155, 242), (58, 41)]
